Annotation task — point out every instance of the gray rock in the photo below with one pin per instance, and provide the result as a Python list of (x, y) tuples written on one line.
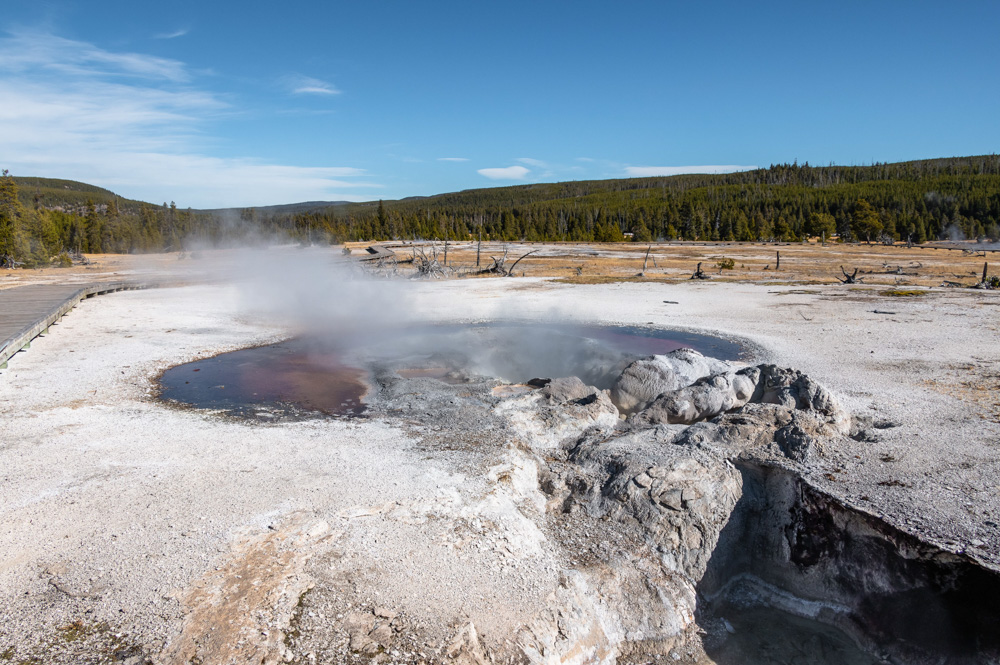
[(359, 622), (548, 419), (713, 396), (382, 635), (793, 389), (680, 497), (671, 498), (643, 480), (644, 380), (765, 428), (705, 398), (567, 389), (466, 649), (360, 642)]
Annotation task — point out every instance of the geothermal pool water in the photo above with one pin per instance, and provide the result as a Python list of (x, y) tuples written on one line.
[(322, 374), (268, 382)]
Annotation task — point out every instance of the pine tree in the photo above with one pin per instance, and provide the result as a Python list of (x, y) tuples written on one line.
[(9, 217), (641, 233), (865, 222), (822, 224)]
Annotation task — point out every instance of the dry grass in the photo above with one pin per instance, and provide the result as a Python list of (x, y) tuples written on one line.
[(904, 293), (813, 263)]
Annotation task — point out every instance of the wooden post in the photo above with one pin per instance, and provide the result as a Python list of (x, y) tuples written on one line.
[(777, 263), (480, 245), (985, 267), (446, 251)]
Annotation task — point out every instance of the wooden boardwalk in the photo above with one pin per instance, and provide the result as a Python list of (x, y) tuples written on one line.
[(28, 311), (376, 252)]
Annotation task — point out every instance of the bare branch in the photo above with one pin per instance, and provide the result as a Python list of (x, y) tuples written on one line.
[(510, 272)]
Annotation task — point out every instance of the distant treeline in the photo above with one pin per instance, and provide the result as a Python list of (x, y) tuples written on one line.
[(914, 201), (43, 219), (917, 201)]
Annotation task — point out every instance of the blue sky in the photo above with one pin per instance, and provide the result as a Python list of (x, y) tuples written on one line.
[(214, 104)]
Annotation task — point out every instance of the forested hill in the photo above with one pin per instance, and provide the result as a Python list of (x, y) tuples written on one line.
[(44, 218), (919, 200), (41, 218), (64, 195)]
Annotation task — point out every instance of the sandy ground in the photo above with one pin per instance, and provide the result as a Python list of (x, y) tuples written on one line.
[(129, 523)]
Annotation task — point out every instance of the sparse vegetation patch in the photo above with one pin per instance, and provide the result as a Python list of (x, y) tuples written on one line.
[(725, 264)]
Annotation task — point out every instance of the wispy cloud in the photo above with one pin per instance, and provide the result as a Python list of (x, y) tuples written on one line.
[(137, 125), (652, 171), (48, 56), (304, 85), (172, 35), (225, 182), (537, 163), (452, 159), (506, 173)]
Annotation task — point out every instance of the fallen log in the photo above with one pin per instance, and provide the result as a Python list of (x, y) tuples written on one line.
[(497, 267)]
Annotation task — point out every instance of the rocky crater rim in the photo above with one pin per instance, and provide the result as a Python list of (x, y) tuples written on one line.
[(704, 461)]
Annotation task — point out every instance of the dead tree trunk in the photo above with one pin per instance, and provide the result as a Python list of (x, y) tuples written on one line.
[(777, 261), (645, 261), (698, 273), (849, 279), (988, 282), (428, 267), (496, 267)]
